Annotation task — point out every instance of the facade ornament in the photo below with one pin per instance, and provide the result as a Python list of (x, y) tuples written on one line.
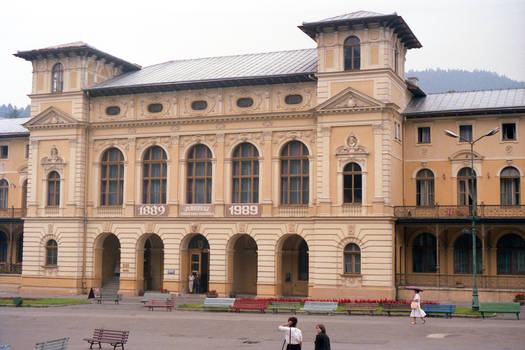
[(194, 228), (50, 228), (292, 227), (53, 161), (351, 229), (241, 228), (351, 147), (149, 227)]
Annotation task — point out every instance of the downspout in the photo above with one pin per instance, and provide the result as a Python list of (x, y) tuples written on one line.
[(84, 237)]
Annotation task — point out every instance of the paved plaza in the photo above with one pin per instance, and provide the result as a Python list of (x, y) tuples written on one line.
[(185, 330)]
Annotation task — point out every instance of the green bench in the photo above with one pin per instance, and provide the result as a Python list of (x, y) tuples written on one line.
[(108, 297), (319, 306), (57, 344), (275, 306), (155, 296), (500, 308)]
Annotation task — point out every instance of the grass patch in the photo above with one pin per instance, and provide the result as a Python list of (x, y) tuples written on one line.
[(466, 311), (46, 301), (189, 306)]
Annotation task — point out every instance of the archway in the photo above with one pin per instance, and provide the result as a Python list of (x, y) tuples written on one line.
[(107, 262), (150, 263), (294, 263), (196, 262), (243, 265)]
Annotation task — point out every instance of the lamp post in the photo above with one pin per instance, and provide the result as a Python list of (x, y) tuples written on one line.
[(475, 300)]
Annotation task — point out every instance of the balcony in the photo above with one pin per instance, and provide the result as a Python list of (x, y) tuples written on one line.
[(12, 213), (297, 211), (11, 268), (460, 212), (109, 211), (460, 281)]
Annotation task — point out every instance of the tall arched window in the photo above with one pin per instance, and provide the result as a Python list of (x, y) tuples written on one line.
[(424, 253), (4, 190), (511, 255), (154, 173), (352, 255), (57, 78), (245, 162), (53, 189), (294, 174), (3, 247), (424, 188), (24, 194), (352, 52), (352, 184), (112, 177), (463, 254), (466, 188), (510, 186), (51, 252), (199, 175)]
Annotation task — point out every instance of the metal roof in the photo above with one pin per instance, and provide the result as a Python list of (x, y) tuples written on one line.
[(467, 102), (365, 18), (261, 68), (13, 127)]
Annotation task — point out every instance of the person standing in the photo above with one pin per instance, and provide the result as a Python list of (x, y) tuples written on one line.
[(416, 308), (293, 337), (197, 284), (322, 341), (190, 283)]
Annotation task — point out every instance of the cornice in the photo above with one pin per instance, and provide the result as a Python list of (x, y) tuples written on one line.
[(57, 95)]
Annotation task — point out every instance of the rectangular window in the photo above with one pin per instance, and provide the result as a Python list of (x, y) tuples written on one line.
[(4, 152), (508, 131), (26, 154), (423, 134), (465, 133)]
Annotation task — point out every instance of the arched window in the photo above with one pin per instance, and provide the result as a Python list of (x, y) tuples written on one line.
[(199, 175), (294, 174), (24, 194), (424, 188), (53, 189), (466, 188), (154, 171), (352, 183), (4, 190), (57, 78), (51, 252), (352, 255), (463, 254), (112, 177), (3, 247), (424, 253), (510, 186), (511, 255), (352, 52), (245, 163)]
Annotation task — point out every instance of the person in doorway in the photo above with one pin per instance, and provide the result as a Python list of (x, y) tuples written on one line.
[(293, 337), (197, 284), (322, 342), (416, 308), (191, 278)]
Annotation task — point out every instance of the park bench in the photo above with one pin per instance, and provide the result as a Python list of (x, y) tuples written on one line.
[(167, 303), (246, 304), (362, 307), (57, 344), (108, 297), (5, 347), (319, 307), (448, 310), (288, 306), (500, 308), (388, 308), (107, 336), (155, 296), (218, 303)]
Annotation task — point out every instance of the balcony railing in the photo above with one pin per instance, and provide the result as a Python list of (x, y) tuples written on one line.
[(12, 212), (109, 211), (460, 281), (458, 211), (293, 211), (11, 268), (352, 210)]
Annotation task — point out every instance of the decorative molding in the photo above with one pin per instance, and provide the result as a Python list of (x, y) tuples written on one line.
[(194, 228), (254, 137), (306, 135), (53, 161), (104, 144), (241, 228), (292, 227), (352, 147)]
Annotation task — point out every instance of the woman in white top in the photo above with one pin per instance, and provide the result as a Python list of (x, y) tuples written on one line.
[(417, 312), (191, 278), (293, 337)]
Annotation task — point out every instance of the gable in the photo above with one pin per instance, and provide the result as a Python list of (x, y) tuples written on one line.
[(349, 99), (52, 117)]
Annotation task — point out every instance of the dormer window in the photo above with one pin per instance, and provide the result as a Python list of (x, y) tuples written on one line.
[(352, 51), (57, 78)]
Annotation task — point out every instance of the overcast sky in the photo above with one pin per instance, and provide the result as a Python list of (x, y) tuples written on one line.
[(464, 34)]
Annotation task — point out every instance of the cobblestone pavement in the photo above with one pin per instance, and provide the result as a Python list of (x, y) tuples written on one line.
[(188, 330)]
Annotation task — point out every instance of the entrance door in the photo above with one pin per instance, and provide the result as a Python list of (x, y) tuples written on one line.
[(199, 262)]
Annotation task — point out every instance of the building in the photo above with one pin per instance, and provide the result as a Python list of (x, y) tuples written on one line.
[(312, 172)]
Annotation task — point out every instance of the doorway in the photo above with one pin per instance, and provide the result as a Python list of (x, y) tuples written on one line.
[(199, 263)]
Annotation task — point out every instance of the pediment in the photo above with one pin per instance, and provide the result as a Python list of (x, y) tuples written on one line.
[(464, 155), (51, 117), (350, 99)]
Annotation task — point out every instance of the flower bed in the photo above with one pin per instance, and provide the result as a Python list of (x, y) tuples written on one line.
[(339, 301), (520, 298)]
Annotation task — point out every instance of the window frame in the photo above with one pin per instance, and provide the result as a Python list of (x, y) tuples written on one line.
[(353, 173), (106, 179), (426, 198), (463, 139), (253, 177), (148, 179), (51, 253), (503, 131), (514, 181), (470, 187), (349, 53), (2, 152), (53, 197), (428, 252), (192, 162), (303, 176), (4, 194), (420, 139), (467, 251), (57, 78), (513, 252), (355, 259)]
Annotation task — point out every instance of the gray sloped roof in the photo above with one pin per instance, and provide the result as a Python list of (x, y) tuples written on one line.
[(194, 72), (354, 15), (13, 127), (467, 102)]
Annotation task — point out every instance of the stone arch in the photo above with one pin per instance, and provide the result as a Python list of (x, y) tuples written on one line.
[(242, 265), (189, 146), (195, 258), (292, 267), (286, 140), (149, 262), (107, 259), (234, 145), (122, 150), (148, 145)]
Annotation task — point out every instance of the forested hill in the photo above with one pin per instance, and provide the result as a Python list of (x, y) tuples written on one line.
[(9, 111), (440, 80)]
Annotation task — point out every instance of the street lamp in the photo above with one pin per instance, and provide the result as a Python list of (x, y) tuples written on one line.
[(475, 300)]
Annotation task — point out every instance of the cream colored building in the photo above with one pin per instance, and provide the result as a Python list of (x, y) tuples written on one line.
[(268, 174)]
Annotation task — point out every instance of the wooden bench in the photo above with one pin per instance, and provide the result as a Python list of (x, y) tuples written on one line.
[(108, 336), (246, 304), (362, 307), (57, 344), (155, 296), (448, 310), (218, 303), (500, 308), (167, 303), (108, 297), (319, 307), (388, 308), (288, 306)]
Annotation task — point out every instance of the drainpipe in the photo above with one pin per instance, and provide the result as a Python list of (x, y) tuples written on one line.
[(84, 237)]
